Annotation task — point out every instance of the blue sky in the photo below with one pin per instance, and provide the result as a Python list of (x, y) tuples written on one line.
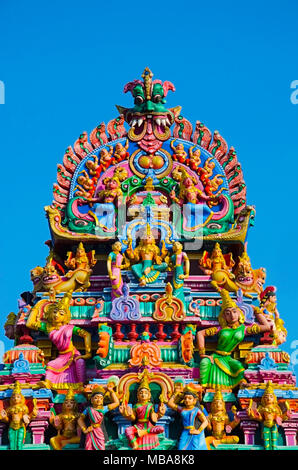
[(64, 65)]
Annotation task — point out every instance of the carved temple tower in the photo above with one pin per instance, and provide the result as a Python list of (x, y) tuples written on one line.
[(147, 297)]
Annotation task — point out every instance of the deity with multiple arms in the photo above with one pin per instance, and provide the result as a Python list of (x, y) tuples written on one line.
[(143, 434), (149, 261)]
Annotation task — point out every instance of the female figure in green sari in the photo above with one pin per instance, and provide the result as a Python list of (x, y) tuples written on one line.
[(220, 369)]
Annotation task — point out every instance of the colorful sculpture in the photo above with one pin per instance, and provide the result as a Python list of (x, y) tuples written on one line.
[(270, 415), (179, 263), (220, 424), (76, 279), (66, 423), (219, 266), (148, 233), (220, 369), (18, 417), (152, 264), (93, 416), (247, 279), (114, 266), (68, 369), (107, 200), (143, 434), (192, 437)]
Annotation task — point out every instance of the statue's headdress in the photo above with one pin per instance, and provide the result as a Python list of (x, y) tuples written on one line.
[(61, 304), (98, 391), (227, 302), (17, 390), (269, 390), (144, 382)]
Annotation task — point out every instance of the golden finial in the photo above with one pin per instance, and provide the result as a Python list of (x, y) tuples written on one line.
[(149, 184), (144, 382), (17, 389), (147, 77), (217, 394), (70, 395)]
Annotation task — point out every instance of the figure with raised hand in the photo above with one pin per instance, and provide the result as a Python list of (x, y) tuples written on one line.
[(91, 420), (194, 420)]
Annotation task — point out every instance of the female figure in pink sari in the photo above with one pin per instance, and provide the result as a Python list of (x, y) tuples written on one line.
[(114, 266), (68, 370), (93, 416)]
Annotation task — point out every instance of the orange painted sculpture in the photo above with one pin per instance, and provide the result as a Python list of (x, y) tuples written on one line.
[(75, 280), (220, 424), (247, 279)]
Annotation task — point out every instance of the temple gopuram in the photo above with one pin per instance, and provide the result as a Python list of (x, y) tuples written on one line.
[(147, 327)]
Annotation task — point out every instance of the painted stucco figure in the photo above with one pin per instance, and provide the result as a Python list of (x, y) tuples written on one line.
[(220, 368), (194, 421), (68, 370), (144, 433), (17, 416)]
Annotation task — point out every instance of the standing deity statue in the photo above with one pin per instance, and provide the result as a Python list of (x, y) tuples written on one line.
[(114, 266), (179, 263), (18, 417), (91, 420), (270, 415)]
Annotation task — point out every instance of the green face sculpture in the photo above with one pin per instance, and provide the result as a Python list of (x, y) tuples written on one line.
[(149, 119), (154, 105)]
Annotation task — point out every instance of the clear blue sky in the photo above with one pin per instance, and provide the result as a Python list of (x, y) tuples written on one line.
[(64, 65)]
